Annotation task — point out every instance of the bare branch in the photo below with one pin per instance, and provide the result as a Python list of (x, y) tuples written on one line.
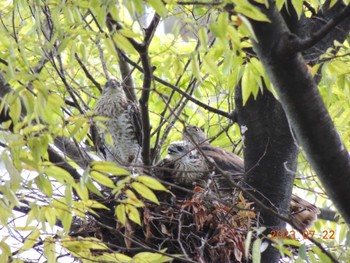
[(87, 73), (183, 93), (146, 87)]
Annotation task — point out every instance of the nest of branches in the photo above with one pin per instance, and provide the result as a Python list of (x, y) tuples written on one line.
[(192, 225)]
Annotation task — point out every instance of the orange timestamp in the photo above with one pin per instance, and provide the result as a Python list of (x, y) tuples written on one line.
[(306, 234)]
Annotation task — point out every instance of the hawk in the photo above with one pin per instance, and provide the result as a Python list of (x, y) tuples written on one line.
[(123, 125), (303, 213), (183, 163), (225, 160)]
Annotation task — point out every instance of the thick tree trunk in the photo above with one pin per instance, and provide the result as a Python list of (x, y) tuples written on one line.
[(270, 156), (270, 152), (304, 107)]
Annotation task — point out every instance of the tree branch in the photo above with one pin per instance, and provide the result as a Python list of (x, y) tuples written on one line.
[(183, 93), (146, 87), (87, 73), (305, 109), (303, 44), (62, 143)]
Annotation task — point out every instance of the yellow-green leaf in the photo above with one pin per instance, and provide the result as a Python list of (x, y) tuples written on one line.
[(113, 257), (298, 6), (145, 192), (133, 214), (151, 182), (30, 240), (66, 219), (151, 257), (102, 179), (50, 249), (109, 167), (82, 244), (15, 109), (247, 9), (247, 243), (195, 67), (203, 37), (120, 213), (50, 215), (132, 199), (247, 80), (59, 174), (158, 5), (123, 43), (256, 251)]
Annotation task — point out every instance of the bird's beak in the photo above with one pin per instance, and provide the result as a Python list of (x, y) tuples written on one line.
[(171, 150)]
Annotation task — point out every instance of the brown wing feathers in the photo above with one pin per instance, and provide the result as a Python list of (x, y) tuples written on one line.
[(302, 213)]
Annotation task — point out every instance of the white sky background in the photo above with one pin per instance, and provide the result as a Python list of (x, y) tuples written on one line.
[(14, 238)]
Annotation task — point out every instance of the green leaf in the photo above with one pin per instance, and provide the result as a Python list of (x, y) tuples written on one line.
[(102, 179), (109, 167), (133, 214), (82, 190), (248, 27), (68, 195), (158, 5), (82, 132), (151, 182), (217, 30), (247, 244), (91, 186), (113, 257), (15, 176), (59, 174), (210, 65), (132, 199), (203, 37), (195, 67), (120, 213), (247, 9), (280, 4), (30, 240), (298, 6), (44, 185), (151, 257), (145, 192), (247, 83), (256, 251), (323, 257), (302, 252), (83, 244), (5, 251), (66, 219), (64, 44), (49, 215), (123, 43), (15, 109), (50, 250)]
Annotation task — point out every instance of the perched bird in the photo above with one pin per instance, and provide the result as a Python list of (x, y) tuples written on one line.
[(123, 125), (225, 160), (302, 213), (183, 164)]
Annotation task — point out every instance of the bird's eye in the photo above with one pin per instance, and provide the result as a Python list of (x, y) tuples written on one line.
[(180, 148)]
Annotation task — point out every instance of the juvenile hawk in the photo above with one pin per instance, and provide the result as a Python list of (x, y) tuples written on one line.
[(225, 160), (183, 164), (123, 125), (303, 213)]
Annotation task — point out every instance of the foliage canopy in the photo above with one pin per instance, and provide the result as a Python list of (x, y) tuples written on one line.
[(56, 56)]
